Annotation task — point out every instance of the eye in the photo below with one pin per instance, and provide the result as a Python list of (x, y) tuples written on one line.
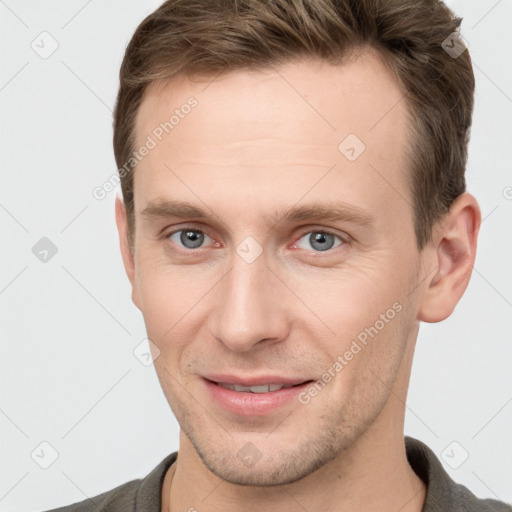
[(189, 238), (320, 240)]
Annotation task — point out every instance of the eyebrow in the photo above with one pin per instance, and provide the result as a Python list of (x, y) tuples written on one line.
[(338, 211)]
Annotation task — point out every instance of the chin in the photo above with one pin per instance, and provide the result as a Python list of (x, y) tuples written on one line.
[(270, 467)]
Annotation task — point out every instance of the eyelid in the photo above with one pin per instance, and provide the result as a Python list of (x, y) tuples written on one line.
[(193, 226), (184, 228)]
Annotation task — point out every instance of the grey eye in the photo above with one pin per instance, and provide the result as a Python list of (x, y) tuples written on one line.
[(321, 240), (188, 238)]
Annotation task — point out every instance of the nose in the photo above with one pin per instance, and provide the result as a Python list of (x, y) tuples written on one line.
[(251, 307)]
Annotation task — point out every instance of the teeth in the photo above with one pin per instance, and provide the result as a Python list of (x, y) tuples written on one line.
[(264, 388)]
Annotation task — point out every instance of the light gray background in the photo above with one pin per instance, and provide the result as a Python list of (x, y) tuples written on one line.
[(68, 373)]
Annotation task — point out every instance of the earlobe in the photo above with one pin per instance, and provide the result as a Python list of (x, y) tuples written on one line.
[(126, 253), (455, 251)]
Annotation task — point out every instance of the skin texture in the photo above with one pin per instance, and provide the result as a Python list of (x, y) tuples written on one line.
[(259, 143)]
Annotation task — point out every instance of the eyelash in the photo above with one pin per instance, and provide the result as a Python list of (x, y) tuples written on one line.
[(344, 240)]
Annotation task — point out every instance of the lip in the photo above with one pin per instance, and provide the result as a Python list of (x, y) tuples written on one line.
[(256, 380), (249, 404)]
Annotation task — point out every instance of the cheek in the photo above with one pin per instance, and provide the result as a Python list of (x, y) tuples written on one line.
[(347, 300), (167, 291), (361, 315), (365, 358), (175, 305)]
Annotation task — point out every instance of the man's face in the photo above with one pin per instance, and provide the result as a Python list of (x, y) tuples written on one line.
[(247, 292)]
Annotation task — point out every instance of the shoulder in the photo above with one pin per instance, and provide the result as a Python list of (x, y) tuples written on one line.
[(442, 492), (139, 494), (120, 498)]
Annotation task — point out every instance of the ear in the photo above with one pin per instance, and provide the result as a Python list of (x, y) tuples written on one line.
[(453, 254), (128, 257)]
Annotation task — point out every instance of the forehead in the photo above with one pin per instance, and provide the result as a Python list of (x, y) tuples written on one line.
[(275, 133)]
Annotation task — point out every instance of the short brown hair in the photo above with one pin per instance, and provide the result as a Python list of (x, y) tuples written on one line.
[(211, 36)]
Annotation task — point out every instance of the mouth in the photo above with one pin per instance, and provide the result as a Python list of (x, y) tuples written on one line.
[(262, 388), (254, 397)]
